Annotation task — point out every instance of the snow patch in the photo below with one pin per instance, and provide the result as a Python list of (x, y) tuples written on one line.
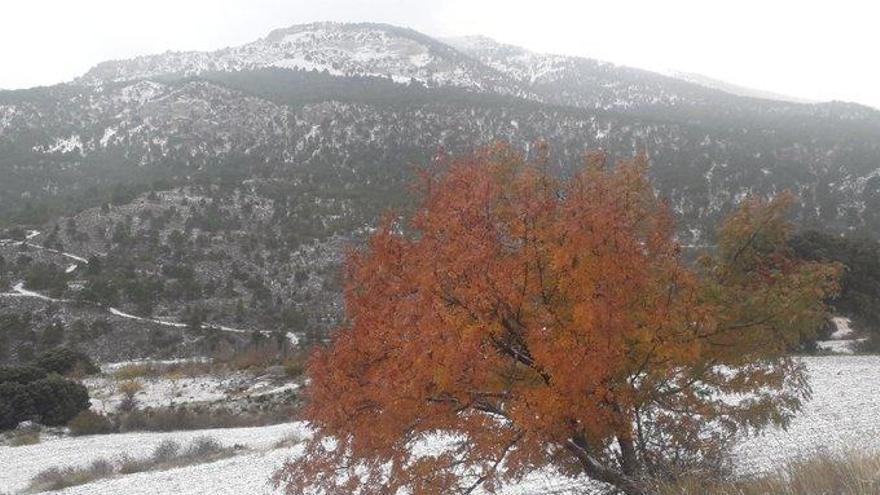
[(62, 145), (843, 328), (108, 134)]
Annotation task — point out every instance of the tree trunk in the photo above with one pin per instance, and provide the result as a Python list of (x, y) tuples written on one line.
[(630, 485), (629, 462)]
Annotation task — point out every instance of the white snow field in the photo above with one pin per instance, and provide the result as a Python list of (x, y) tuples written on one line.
[(842, 415), (165, 392), (20, 464)]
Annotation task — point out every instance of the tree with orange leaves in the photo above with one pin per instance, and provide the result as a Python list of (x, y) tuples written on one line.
[(519, 322)]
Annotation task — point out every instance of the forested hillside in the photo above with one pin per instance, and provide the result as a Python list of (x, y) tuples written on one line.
[(224, 186)]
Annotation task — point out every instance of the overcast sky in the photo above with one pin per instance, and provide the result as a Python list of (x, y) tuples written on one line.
[(813, 50)]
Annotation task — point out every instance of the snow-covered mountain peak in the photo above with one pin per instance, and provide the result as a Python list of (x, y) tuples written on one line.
[(475, 63), (362, 49), (345, 49), (516, 62), (472, 43)]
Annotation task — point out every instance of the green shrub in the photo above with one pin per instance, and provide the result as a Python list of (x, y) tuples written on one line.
[(28, 393), (64, 361), (56, 400), (16, 404), (21, 374)]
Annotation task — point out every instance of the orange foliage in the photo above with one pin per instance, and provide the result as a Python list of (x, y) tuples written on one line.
[(519, 321)]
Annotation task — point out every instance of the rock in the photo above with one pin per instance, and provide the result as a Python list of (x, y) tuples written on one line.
[(32, 426)]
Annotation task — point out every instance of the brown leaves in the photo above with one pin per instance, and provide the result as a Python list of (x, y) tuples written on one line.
[(526, 315)]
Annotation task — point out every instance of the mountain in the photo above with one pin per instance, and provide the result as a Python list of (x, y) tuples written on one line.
[(228, 184), (344, 50), (580, 82)]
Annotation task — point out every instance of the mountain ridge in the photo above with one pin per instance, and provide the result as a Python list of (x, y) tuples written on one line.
[(354, 59), (269, 51), (181, 172)]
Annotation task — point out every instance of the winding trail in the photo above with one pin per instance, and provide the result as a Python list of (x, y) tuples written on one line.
[(18, 290)]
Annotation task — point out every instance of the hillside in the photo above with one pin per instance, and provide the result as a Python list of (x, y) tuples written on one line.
[(228, 184)]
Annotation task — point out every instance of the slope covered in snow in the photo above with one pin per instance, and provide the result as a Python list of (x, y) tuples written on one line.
[(841, 416), (20, 464), (581, 81), (400, 54)]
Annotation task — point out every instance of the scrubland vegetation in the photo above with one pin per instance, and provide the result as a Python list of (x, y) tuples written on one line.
[(169, 454)]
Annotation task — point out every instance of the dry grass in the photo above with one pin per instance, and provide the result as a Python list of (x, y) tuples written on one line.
[(289, 440), (134, 371), (89, 422), (179, 419), (251, 358), (260, 357), (59, 478), (254, 357), (167, 455), (22, 438), (854, 473)]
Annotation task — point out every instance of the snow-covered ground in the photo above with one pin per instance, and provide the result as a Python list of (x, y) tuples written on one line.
[(238, 475), (162, 392), (20, 464), (842, 415), (245, 474), (165, 391)]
